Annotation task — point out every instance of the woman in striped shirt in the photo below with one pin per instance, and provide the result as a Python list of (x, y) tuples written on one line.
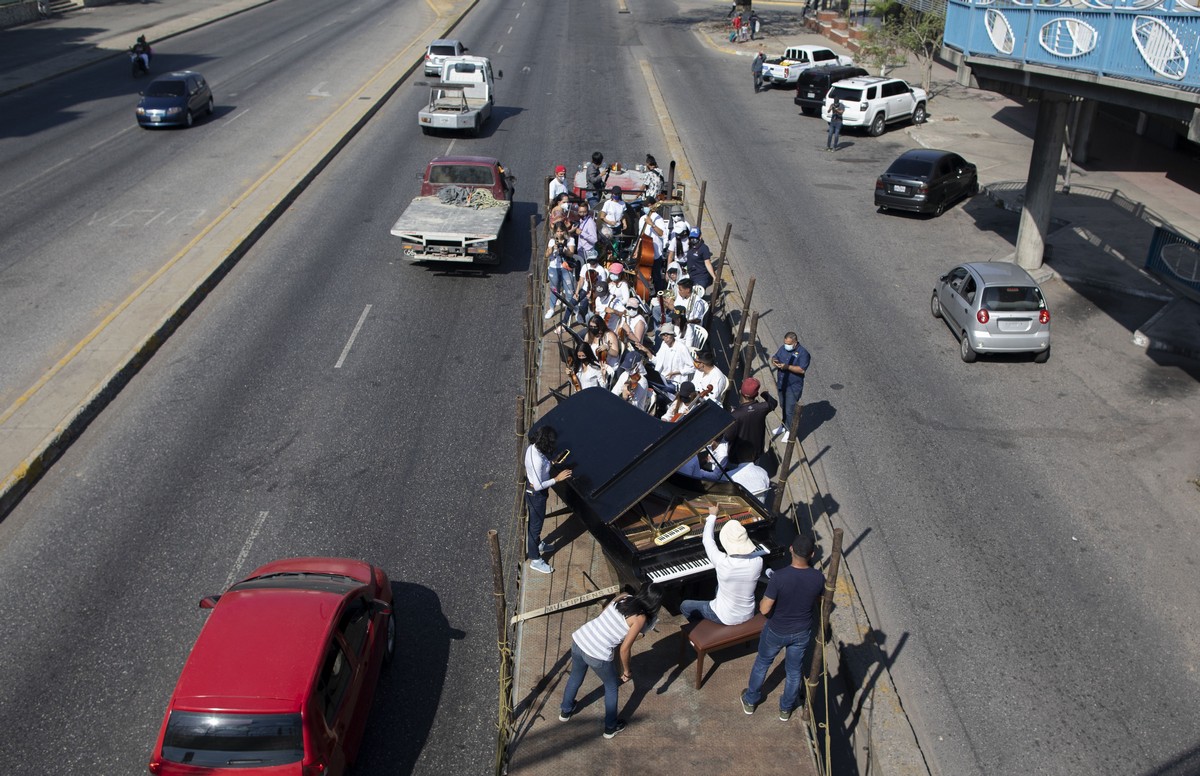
[(593, 645)]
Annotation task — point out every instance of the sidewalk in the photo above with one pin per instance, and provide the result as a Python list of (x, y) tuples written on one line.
[(1101, 230)]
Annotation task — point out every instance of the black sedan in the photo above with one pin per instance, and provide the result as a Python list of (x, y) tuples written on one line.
[(926, 181), (175, 99)]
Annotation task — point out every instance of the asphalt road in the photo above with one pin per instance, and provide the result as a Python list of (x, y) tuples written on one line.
[(1022, 532), (91, 205)]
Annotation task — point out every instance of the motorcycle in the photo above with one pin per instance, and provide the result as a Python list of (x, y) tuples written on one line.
[(139, 60)]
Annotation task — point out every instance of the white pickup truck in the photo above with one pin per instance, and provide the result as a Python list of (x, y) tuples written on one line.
[(464, 97), (796, 59)]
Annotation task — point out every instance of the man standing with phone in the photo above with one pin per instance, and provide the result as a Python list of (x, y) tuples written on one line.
[(834, 137), (791, 363)]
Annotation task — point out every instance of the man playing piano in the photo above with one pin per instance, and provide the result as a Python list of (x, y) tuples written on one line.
[(738, 570)]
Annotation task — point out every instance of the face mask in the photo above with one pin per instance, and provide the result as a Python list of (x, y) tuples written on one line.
[(614, 276), (594, 329), (646, 210), (789, 348)]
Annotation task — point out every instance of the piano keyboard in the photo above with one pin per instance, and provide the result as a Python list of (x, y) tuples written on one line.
[(687, 568)]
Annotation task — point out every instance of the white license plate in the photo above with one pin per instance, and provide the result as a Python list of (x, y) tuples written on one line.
[(812, 95), (900, 189)]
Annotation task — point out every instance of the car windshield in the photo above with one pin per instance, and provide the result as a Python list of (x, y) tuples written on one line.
[(233, 740), (911, 168), (462, 174), (165, 89), (846, 93), (1012, 299), (300, 580), (442, 51)]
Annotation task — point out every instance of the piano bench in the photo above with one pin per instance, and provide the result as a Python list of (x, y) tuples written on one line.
[(707, 636)]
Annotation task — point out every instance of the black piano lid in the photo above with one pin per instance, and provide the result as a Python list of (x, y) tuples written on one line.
[(618, 453)]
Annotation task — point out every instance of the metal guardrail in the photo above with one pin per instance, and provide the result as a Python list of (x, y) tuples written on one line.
[(1153, 41), (1176, 260)]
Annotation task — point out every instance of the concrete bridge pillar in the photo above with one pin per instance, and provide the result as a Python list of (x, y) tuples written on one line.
[(1043, 175), (1081, 130)]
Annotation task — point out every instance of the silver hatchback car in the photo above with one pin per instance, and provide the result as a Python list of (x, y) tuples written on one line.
[(993, 307)]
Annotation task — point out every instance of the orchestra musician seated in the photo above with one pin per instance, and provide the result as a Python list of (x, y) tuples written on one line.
[(585, 370), (709, 464), (607, 305), (709, 380), (673, 361), (631, 386), (685, 398), (603, 342)]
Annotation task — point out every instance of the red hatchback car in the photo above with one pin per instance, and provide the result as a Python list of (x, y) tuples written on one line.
[(281, 678)]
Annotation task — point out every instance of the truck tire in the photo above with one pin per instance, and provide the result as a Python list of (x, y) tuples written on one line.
[(877, 125), (426, 130), (919, 116), (478, 125)]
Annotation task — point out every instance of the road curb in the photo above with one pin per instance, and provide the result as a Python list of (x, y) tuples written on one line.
[(26, 474)]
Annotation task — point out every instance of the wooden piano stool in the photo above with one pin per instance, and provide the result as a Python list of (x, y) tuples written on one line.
[(707, 636)]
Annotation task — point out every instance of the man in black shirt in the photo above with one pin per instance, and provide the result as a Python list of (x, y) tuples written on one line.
[(748, 435), (788, 604)]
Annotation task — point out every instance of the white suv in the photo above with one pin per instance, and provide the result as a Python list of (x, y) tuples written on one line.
[(874, 102)]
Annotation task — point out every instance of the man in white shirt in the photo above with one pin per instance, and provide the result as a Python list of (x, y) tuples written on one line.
[(559, 184), (613, 211), (753, 478), (537, 491), (707, 375), (673, 361), (738, 570), (694, 310)]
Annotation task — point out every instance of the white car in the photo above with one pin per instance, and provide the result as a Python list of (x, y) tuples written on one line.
[(438, 51), (874, 102)]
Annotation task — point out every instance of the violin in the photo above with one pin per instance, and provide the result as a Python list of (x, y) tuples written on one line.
[(701, 396)]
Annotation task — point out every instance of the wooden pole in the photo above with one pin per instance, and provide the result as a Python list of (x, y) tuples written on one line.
[(719, 270), (818, 663), (781, 478), (748, 358), (700, 207), (506, 701), (737, 342)]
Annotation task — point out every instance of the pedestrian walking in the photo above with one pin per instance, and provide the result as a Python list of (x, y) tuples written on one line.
[(756, 67), (537, 492), (791, 363), (737, 28), (788, 602), (593, 646), (834, 137)]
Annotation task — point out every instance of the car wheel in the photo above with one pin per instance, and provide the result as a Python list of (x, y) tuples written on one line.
[(389, 647), (919, 113), (965, 350), (809, 111), (877, 126), (941, 208), (935, 306), (973, 189), (208, 109), (1042, 357), (188, 119)]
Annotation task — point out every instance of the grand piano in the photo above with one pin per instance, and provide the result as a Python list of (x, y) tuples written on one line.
[(625, 488)]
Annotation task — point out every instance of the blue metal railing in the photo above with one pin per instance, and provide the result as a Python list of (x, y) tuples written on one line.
[(1156, 41)]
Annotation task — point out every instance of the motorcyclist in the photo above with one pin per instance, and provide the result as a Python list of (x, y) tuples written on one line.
[(141, 50)]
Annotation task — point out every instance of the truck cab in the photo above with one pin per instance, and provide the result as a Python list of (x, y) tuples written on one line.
[(463, 98), (468, 172)]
